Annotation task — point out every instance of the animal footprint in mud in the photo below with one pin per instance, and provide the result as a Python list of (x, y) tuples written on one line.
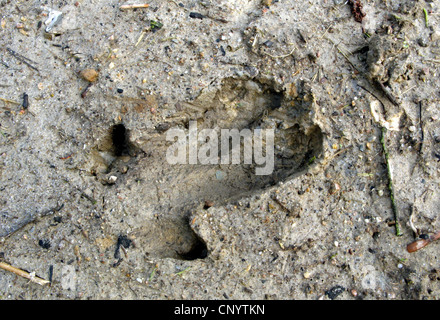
[(227, 144)]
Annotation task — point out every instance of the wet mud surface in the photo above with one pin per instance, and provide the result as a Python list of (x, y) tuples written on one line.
[(90, 201)]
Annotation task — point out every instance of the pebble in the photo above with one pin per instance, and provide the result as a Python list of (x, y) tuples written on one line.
[(112, 179), (220, 175), (90, 75), (334, 292), (435, 36), (44, 243), (423, 42)]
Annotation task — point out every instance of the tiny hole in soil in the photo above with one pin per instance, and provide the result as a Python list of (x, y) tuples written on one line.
[(199, 250), (120, 140)]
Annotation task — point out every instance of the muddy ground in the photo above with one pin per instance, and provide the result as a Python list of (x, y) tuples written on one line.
[(89, 202)]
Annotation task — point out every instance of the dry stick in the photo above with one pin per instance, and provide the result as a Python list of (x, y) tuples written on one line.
[(382, 88), (390, 182), (133, 6), (31, 276), (10, 101), (282, 206), (282, 56), (21, 58), (344, 55)]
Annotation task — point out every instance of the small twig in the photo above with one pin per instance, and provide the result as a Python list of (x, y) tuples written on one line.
[(346, 58), (407, 90), (385, 92), (411, 223), (390, 182), (85, 195), (283, 207), (10, 101), (84, 92), (31, 276), (432, 60), (133, 6), (21, 58), (331, 157), (282, 56), (377, 98), (217, 19), (4, 64), (343, 54)]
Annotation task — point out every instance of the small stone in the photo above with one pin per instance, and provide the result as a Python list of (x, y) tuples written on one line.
[(412, 128), (120, 90), (112, 179), (268, 43), (307, 275), (423, 42), (335, 187), (45, 243), (220, 175), (391, 295), (334, 292), (90, 75), (435, 36)]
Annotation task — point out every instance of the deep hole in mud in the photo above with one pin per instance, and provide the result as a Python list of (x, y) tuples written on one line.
[(198, 251), (119, 137), (164, 194)]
